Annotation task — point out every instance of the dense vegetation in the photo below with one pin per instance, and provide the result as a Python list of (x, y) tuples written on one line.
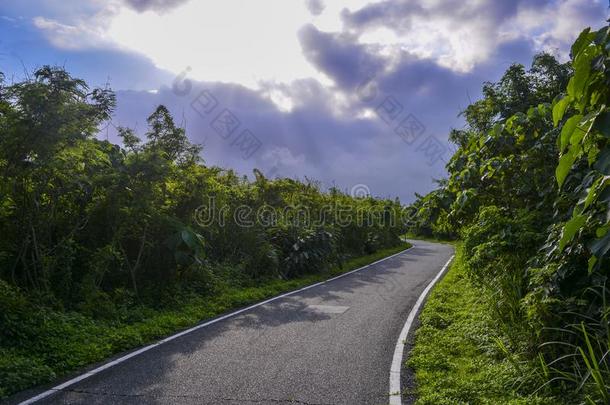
[(461, 357), (527, 193), (104, 247)]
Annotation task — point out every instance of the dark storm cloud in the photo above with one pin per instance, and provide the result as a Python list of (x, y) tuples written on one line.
[(399, 15), (389, 13), (339, 56), (416, 81), (155, 5)]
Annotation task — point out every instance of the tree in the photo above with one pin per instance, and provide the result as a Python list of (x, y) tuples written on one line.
[(164, 136)]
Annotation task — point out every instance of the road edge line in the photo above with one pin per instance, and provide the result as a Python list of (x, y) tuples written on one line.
[(396, 367), (137, 352)]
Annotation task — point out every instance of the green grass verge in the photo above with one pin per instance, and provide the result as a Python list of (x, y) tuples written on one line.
[(459, 355), (429, 238), (52, 344)]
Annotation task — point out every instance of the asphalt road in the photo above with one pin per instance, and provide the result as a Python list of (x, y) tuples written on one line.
[(331, 344)]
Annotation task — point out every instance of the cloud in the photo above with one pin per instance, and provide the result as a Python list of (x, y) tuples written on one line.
[(396, 14), (311, 140), (563, 22), (315, 7), (462, 34), (331, 132), (339, 56), (282, 159), (71, 37), (159, 6), (237, 50), (400, 15), (296, 83)]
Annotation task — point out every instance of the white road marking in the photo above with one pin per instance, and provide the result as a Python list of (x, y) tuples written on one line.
[(187, 331), (395, 393)]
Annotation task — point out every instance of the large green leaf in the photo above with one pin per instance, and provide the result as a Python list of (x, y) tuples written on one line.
[(559, 109), (583, 39), (563, 168), (582, 71), (570, 229), (567, 131)]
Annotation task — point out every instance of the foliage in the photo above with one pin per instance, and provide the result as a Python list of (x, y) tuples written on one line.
[(460, 357), (428, 215), (499, 247), (528, 193), (99, 240), (575, 262), (504, 138)]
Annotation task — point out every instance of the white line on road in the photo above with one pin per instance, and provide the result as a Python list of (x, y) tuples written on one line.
[(395, 393), (187, 331)]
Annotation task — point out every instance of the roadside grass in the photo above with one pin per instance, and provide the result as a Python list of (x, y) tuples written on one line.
[(429, 239), (48, 344), (460, 356)]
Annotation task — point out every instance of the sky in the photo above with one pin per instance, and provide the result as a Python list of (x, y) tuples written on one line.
[(355, 94)]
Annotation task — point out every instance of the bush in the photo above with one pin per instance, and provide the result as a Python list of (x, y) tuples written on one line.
[(19, 372)]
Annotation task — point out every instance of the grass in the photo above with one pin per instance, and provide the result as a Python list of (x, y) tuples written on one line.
[(46, 345), (429, 238), (460, 356)]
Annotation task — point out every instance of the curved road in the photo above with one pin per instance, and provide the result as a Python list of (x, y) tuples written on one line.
[(330, 344)]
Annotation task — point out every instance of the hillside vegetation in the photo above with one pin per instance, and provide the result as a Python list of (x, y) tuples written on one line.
[(528, 194), (105, 247)]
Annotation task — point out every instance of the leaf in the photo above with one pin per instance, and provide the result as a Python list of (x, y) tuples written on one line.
[(570, 229), (563, 168), (582, 71), (602, 123), (604, 196), (601, 36), (567, 130), (602, 230), (600, 247), (496, 131), (597, 64), (559, 109), (595, 96), (592, 155), (603, 161), (577, 135), (592, 192), (583, 39)]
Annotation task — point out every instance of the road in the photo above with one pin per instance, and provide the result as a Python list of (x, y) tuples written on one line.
[(331, 344)]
